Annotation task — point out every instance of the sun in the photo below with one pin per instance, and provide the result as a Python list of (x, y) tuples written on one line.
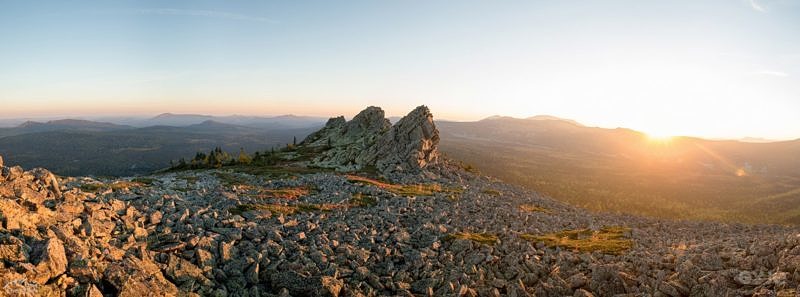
[(659, 137)]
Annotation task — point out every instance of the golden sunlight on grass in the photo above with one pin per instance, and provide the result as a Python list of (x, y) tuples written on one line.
[(404, 190), (484, 238), (609, 240)]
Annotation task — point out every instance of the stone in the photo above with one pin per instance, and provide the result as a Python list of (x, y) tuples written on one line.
[(47, 180), (133, 277), (577, 281), (605, 280), (155, 217), (302, 286), (749, 278), (50, 260), (582, 293), (184, 273), (13, 249)]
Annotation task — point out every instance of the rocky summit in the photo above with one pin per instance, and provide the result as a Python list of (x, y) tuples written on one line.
[(370, 141), (393, 219)]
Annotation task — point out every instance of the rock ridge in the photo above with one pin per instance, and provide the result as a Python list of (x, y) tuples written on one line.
[(370, 141)]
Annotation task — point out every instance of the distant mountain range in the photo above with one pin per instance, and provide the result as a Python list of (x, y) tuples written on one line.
[(61, 125), (173, 119), (80, 147), (278, 122)]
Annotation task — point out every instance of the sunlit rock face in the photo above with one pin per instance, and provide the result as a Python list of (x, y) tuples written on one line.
[(370, 141)]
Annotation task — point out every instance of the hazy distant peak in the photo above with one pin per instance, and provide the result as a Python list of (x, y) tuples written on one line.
[(67, 123), (164, 115), (28, 124), (757, 140), (178, 115), (545, 117), (497, 117), (211, 122)]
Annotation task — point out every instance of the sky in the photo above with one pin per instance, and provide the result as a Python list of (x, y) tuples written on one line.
[(719, 69)]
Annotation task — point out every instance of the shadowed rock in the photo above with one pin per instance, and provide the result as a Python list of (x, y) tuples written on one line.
[(298, 285), (50, 260)]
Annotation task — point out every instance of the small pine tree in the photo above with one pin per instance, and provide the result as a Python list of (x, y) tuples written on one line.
[(244, 158), (212, 159)]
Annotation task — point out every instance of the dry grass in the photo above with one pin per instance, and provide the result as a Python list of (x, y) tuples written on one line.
[(492, 192), (283, 209), (533, 208), (362, 200), (484, 238), (116, 186), (609, 240), (403, 190), (285, 193), (144, 180)]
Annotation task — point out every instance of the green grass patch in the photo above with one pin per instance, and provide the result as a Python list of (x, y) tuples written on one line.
[(533, 208), (609, 240), (483, 238)]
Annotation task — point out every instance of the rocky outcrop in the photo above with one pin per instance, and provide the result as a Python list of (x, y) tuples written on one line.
[(411, 144), (344, 142), (370, 141)]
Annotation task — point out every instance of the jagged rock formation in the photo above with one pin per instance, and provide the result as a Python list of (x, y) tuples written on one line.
[(369, 140), (345, 142)]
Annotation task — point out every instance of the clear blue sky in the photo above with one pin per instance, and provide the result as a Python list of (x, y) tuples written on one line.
[(708, 68)]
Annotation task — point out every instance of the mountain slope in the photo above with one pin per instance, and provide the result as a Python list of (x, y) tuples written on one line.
[(60, 125), (624, 170), (135, 151)]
